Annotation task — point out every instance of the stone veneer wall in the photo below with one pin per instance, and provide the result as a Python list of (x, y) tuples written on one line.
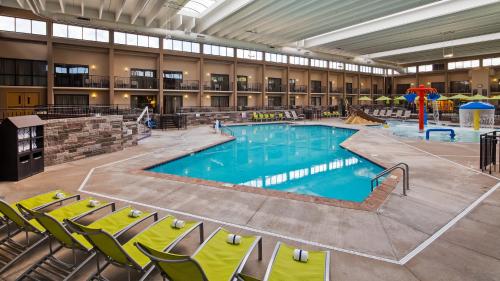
[(76, 138)]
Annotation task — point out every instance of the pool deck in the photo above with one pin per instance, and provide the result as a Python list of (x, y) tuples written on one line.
[(431, 234)]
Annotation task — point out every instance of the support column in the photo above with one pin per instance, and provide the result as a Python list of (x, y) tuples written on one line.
[(235, 84), (446, 82), (371, 87), (344, 95), (160, 82), (359, 87), (287, 93), (202, 77), (328, 88), (308, 85), (265, 83), (50, 65), (111, 73)]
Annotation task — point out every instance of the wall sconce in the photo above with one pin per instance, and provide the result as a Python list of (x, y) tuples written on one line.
[(297, 97), (93, 95), (126, 69), (92, 66), (250, 97), (185, 96), (362, 84), (186, 73), (412, 83), (208, 74), (125, 96), (297, 80), (207, 96), (428, 83), (265, 78), (249, 77), (495, 79)]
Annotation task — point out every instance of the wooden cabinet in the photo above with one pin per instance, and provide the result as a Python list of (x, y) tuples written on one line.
[(21, 147)]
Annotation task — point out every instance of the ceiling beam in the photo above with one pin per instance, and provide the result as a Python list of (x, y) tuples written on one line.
[(219, 13), (120, 10), (139, 8), (425, 12), (42, 4), (438, 45), (156, 11), (20, 3), (61, 5), (33, 7), (101, 8), (82, 7)]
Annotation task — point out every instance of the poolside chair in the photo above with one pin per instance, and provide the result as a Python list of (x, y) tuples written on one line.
[(295, 116), (388, 113), (161, 236), (283, 267), (399, 113), (375, 112), (261, 117), (280, 115), (288, 116), (266, 116), (367, 110), (11, 250), (255, 116), (214, 260), (272, 116), (406, 115), (381, 113)]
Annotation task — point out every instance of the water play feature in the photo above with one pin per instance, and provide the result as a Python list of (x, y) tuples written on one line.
[(477, 115)]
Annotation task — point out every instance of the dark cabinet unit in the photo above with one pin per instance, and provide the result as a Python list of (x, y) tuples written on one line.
[(21, 147)]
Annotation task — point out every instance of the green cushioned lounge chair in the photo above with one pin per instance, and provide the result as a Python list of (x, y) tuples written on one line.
[(160, 236), (115, 223), (272, 116), (266, 116), (280, 116), (11, 250), (255, 116), (214, 260), (283, 267), (261, 117)]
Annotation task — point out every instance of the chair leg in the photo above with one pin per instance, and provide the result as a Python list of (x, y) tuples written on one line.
[(202, 233)]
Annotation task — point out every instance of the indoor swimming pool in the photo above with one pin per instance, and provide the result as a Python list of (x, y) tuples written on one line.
[(305, 160)]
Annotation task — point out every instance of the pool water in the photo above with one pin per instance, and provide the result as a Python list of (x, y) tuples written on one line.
[(300, 159), (410, 130)]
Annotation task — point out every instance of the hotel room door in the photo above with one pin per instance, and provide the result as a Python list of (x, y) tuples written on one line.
[(22, 103)]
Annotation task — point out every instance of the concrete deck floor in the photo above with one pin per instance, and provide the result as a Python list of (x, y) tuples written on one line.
[(382, 245)]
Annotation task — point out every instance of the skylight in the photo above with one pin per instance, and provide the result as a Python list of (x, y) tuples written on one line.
[(194, 8)]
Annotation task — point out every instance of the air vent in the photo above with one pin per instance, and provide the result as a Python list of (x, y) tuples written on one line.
[(83, 18)]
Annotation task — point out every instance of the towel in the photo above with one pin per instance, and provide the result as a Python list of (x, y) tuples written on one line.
[(94, 203), (300, 255), (135, 213), (233, 239), (59, 195), (178, 224)]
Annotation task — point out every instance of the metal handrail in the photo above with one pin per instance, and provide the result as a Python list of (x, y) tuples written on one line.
[(230, 131), (406, 176)]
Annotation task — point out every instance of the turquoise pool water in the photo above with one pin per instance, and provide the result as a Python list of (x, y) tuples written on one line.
[(300, 159), (410, 130)]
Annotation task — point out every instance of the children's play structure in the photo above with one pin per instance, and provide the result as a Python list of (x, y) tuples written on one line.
[(477, 115), (421, 92)]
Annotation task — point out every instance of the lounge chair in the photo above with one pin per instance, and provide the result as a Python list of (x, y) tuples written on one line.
[(43, 200), (280, 115), (288, 116), (381, 113), (375, 112), (272, 116), (295, 116), (261, 117), (255, 117), (367, 110), (161, 236), (214, 260), (266, 116), (283, 267), (399, 113), (388, 113), (406, 115), (11, 250)]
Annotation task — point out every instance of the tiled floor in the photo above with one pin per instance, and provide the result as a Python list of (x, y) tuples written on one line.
[(367, 245)]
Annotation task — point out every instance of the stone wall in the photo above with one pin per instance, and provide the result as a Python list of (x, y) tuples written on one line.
[(76, 138)]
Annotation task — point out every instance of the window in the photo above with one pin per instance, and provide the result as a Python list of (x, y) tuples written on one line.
[(14, 72), (351, 67), (218, 50), (365, 69), (248, 54), (172, 79), (132, 39), (70, 75), (80, 33), (298, 60), (336, 65), (463, 64), (23, 25), (219, 101), (425, 68), (319, 63), (278, 58), (491, 61), (411, 69), (181, 46), (378, 70)]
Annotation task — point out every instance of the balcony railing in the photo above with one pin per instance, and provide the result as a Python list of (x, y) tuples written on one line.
[(298, 88), (249, 87), (364, 91), (463, 90), (495, 88), (23, 80), (81, 81), (136, 82), (378, 92), (276, 88), (320, 89), (336, 90), (353, 91), (185, 85), (210, 86)]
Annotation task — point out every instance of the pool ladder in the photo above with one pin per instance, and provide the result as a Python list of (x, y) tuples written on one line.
[(406, 176)]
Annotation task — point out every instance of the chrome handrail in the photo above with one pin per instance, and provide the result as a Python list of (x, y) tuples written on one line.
[(230, 131), (406, 176)]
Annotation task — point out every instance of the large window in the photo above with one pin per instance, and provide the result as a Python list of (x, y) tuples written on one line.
[(351, 67), (491, 61), (278, 58), (336, 65), (23, 25), (219, 101), (181, 46), (216, 50), (143, 78), (319, 63), (365, 69), (132, 39), (14, 72), (463, 64), (411, 69), (70, 75), (172, 79), (219, 82), (71, 99), (248, 54), (460, 87), (378, 70), (299, 60), (80, 33), (425, 68)]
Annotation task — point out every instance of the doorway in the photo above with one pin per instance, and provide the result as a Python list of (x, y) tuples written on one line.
[(172, 104), (22, 103)]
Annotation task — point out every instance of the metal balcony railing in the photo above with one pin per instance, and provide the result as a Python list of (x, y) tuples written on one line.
[(81, 81), (136, 82), (185, 85)]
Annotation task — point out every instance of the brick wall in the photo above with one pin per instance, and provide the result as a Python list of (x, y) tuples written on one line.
[(76, 138)]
